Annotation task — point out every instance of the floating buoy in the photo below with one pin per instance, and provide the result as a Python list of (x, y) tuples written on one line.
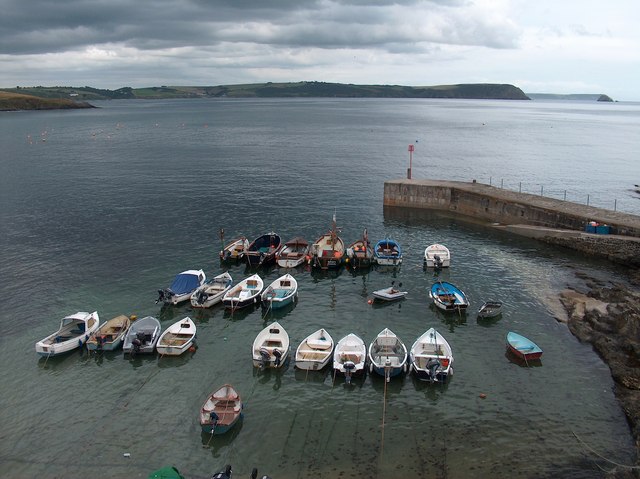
[(483, 395), (133, 317), (370, 301), (126, 454), (192, 349)]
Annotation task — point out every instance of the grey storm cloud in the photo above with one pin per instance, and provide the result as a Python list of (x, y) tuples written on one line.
[(44, 26)]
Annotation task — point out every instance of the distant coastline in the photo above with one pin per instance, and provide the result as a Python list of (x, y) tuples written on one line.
[(47, 98)]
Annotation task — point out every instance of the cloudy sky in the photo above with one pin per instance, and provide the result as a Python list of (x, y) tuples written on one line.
[(558, 46)]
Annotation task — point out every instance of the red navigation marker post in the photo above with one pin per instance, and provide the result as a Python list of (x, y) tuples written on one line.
[(411, 148)]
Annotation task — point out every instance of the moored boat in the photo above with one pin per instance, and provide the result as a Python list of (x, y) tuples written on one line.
[(448, 297), (262, 250), (182, 287), (73, 332), (387, 355), (389, 294), (177, 338), (245, 293), (293, 253), (212, 291), (142, 336), (349, 356), (110, 335), (281, 292), (437, 256), (523, 347), (271, 347), (233, 250), (431, 357), (315, 351), (490, 309), (387, 252), (221, 411), (328, 250), (360, 252)]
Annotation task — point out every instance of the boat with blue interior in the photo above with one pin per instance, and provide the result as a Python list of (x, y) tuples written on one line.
[(387, 252)]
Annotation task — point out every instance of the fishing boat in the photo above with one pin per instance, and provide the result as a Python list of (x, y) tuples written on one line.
[(281, 292), (177, 338), (221, 411), (73, 332), (448, 297), (437, 256), (212, 291), (360, 252), (271, 347), (110, 335), (523, 347), (387, 252), (245, 293), (349, 356), (262, 250), (328, 250), (293, 253), (234, 250), (142, 336), (182, 287), (389, 294), (490, 309), (387, 355), (315, 351), (431, 357)]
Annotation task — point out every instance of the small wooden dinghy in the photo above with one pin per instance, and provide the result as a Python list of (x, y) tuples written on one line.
[(212, 291), (177, 338), (233, 250), (360, 253), (221, 411), (389, 294), (387, 355), (142, 336), (293, 253), (245, 293), (490, 309), (73, 332), (349, 356), (328, 250), (315, 351), (110, 335), (448, 297), (523, 347), (437, 256), (387, 252), (281, 292), (271, 347), (431, 357)]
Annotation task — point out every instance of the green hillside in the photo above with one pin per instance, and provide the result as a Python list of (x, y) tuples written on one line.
[(17, 101)]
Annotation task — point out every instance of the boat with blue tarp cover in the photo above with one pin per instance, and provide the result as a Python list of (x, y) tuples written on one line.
[(262, 250), (183, 285)]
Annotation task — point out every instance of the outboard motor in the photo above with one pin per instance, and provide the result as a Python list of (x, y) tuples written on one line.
[(161, 294), (349, 367), (437, 262), (278, 356), (254, 474), (265, 358), (432, 366), (223, 475), (202, 297), (136, 344)]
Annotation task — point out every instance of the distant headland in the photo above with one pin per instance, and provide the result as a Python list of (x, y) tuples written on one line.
[(41, 97)]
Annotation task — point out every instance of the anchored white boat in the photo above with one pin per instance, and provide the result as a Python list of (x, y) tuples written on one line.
[(73, 332), (183, 285), (437, 256), (293, 253), (245, 293), (235, 249), (387, 355), (349, 356), (110, 335), (142, 336), (212, 291), (281, 292), (177, 338), (271, 347), (431, 357), (315, 351)]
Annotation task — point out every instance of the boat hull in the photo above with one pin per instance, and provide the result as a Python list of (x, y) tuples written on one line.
[(522, 347), (424, 375), (241, 303), (220, 428), (278, 303), (65, 340), (165, 350), (110, 346)]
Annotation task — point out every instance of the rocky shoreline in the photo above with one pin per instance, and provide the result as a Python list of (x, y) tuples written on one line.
[(607, 316)]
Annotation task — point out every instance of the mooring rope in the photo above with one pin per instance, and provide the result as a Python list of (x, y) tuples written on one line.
[(601, 456)]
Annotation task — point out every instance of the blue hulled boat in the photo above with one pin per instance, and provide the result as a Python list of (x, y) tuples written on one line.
[(448, 297), (387, 252)]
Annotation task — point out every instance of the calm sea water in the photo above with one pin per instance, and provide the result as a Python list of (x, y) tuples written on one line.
[(101, 208)]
